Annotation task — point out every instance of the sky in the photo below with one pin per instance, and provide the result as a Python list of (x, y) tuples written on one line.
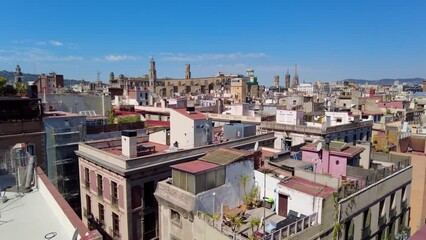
[(329, 40)]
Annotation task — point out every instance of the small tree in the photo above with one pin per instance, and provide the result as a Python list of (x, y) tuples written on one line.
[(254, 225), (111, 116), (244, 180), (236, 222), (21, 88)]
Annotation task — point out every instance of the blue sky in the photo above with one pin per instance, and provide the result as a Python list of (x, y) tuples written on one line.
[(329, 39)]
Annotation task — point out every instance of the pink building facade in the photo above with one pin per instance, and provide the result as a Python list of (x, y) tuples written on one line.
[(332, 161)]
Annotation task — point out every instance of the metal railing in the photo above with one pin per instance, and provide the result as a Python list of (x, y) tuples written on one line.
[(366, 232), (100, 192), (392, 212), (87, 184), (404, 204), (293, 228), (382, 221), (114, 201), (315, 130)]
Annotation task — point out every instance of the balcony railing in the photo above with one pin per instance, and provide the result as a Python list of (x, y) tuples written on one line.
[(392, 212), (404, 204), (382, 221), (87, 184), (114, 201), (366, 233), (293, 228)]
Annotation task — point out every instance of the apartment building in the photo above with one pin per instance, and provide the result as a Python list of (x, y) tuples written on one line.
[(203, 185), (190, 128), (363, 202), (63, 133), (21, 122), (118, 178), (317, 126)]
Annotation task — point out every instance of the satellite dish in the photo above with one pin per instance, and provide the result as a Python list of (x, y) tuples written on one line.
[(319, 146)]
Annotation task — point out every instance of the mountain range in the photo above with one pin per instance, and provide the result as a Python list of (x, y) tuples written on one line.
[(387, 81), (28, 77)]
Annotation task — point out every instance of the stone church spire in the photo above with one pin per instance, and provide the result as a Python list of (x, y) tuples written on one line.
[(152, 75)]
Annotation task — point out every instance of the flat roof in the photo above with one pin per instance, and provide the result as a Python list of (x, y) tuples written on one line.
[(30, 217), (308, 187), (194, 167), (61, 114), (118, 151), (336, 148), (224, 156), (195, 115)]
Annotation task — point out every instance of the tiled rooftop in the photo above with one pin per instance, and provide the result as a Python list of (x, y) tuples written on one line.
[(308, 187), (194, 167)]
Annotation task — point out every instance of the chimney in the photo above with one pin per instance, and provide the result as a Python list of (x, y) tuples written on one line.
[(128, 143)]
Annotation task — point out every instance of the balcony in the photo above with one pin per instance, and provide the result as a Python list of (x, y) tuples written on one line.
[(382, 221), (114, 201), (366, 233), (404, 204), (115, 233), (86, 185), (392, 213)]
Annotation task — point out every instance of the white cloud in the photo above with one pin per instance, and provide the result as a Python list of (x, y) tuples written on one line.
[(209, 56), (116, 58), (41, 43), (55, 43), (34, 55)]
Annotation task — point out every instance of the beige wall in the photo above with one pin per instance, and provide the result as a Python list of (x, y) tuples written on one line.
[(187, 229), (181, 130), (418, 191), (239, 90)]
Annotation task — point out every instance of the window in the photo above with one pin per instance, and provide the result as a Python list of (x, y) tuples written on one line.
[(175, 216), (115, 225), (182, 183), (100, 185), (87, 177), (339, 120), (191, 183), (114, 193), (404, 193), (392, 201), (176, 178), (211, 179), (382, 211), (350, 229), (31, 149), (101, 209), (88, 205)]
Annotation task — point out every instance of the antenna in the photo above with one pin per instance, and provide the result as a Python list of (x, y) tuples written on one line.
[(98, 74)]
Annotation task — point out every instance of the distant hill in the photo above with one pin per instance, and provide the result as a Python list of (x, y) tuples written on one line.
[(28, 77), (387, 81)]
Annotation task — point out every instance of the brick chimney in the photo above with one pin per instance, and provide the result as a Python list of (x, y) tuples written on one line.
[(128, 143)]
